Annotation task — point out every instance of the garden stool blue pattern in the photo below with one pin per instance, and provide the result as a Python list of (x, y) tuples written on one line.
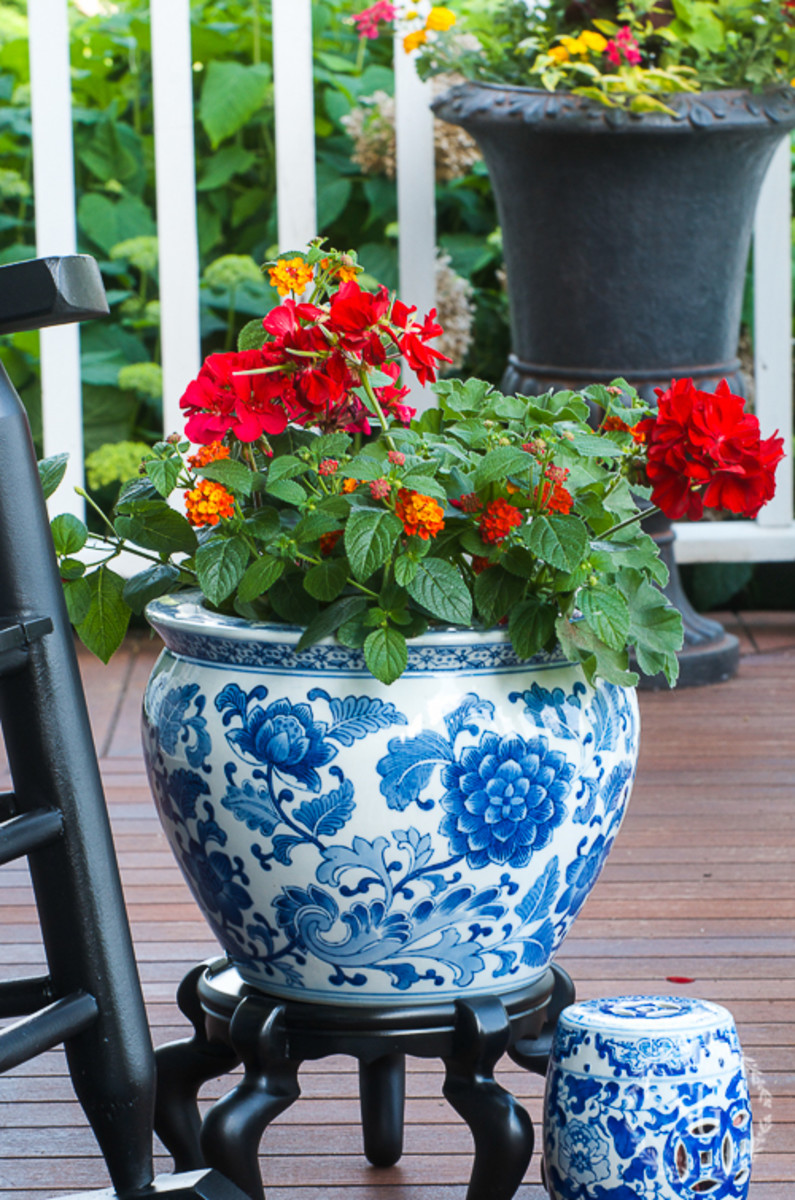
[(646, 1098)]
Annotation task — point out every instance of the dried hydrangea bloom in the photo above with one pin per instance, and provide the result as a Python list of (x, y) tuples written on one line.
[(455, 311), (371, 125)]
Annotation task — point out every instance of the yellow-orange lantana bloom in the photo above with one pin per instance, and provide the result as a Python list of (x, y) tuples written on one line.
[(290, 275), (412, 41), (559, 53), (440, 19), (593, 40)]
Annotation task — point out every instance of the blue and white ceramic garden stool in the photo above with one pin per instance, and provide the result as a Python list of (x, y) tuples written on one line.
[(646, 1096)]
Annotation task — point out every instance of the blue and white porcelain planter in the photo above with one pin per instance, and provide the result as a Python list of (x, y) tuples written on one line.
[(647, 1097), (353, 843)]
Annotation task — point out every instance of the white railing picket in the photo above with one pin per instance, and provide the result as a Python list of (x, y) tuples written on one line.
[(416, 195), (773, 323), (172, 83), (295, 122), (56, 233)]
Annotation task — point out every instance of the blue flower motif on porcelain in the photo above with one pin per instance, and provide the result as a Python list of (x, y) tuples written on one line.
[(350, 842)]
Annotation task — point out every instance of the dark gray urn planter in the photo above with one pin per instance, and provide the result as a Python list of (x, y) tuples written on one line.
[(626, 239)]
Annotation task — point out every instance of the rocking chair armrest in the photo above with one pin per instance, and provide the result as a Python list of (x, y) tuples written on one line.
[(50, 291)]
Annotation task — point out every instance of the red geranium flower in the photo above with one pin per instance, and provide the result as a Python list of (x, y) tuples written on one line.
[(422, 358), (221, 399), (354, 312), (705, 449)]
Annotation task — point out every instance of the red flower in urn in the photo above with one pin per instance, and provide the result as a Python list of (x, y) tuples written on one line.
[(705, 451)]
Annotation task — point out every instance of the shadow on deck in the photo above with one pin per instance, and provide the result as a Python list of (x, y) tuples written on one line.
[(698, 898)]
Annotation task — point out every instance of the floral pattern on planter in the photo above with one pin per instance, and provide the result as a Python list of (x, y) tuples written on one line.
[(344, 849), (647, 1098)]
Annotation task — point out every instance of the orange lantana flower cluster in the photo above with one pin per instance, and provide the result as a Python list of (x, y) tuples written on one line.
[(212, 452), (421, 515), (550, 494), (616, 424), (208, 502)]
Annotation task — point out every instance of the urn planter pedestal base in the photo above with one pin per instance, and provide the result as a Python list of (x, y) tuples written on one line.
[(235, 1022)]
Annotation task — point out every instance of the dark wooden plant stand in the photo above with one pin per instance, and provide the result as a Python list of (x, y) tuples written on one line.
[(235, 1023)]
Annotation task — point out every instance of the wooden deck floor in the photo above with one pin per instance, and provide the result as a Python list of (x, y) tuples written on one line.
[(700, 887)]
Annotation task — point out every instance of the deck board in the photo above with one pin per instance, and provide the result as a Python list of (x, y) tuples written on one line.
[(700, 886)]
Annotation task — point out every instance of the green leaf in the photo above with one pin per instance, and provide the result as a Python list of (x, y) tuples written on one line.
[(405, 569), (77, 594), (148, 585), (291, 602), (235, 476), (654, 623), (607, 612), (364, 467), (164, 473), (327, 579), (561, 541), (285, 467), (531, 626), (331, 445), (71, 568), (370, 537), (498, 464), (314, 524), (51, 472), (68, 534), (496, 593), (152, 525), (264, 525), (581, 644), (439, 588), (425, 485), (104, 625), (251, 336), (259, 577), (220, 564), (221, 167), (331, 619), (590, 445), (232, 93), (287, 490), (386, 654)]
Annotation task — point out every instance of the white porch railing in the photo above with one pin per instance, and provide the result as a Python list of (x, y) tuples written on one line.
[(770, 537)]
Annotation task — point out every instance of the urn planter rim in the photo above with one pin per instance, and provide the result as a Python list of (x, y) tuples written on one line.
[(480, 103), (192, 630)]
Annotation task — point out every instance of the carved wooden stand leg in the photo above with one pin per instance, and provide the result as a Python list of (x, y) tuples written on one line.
[(233, 1127), (182, 1068), (382, 1096), (502, 1129)]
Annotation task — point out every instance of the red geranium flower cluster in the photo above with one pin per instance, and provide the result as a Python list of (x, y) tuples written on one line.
[(704, 450), (312, 362)]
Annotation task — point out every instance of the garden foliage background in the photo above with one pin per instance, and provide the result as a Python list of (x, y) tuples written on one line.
[(234, 130)]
